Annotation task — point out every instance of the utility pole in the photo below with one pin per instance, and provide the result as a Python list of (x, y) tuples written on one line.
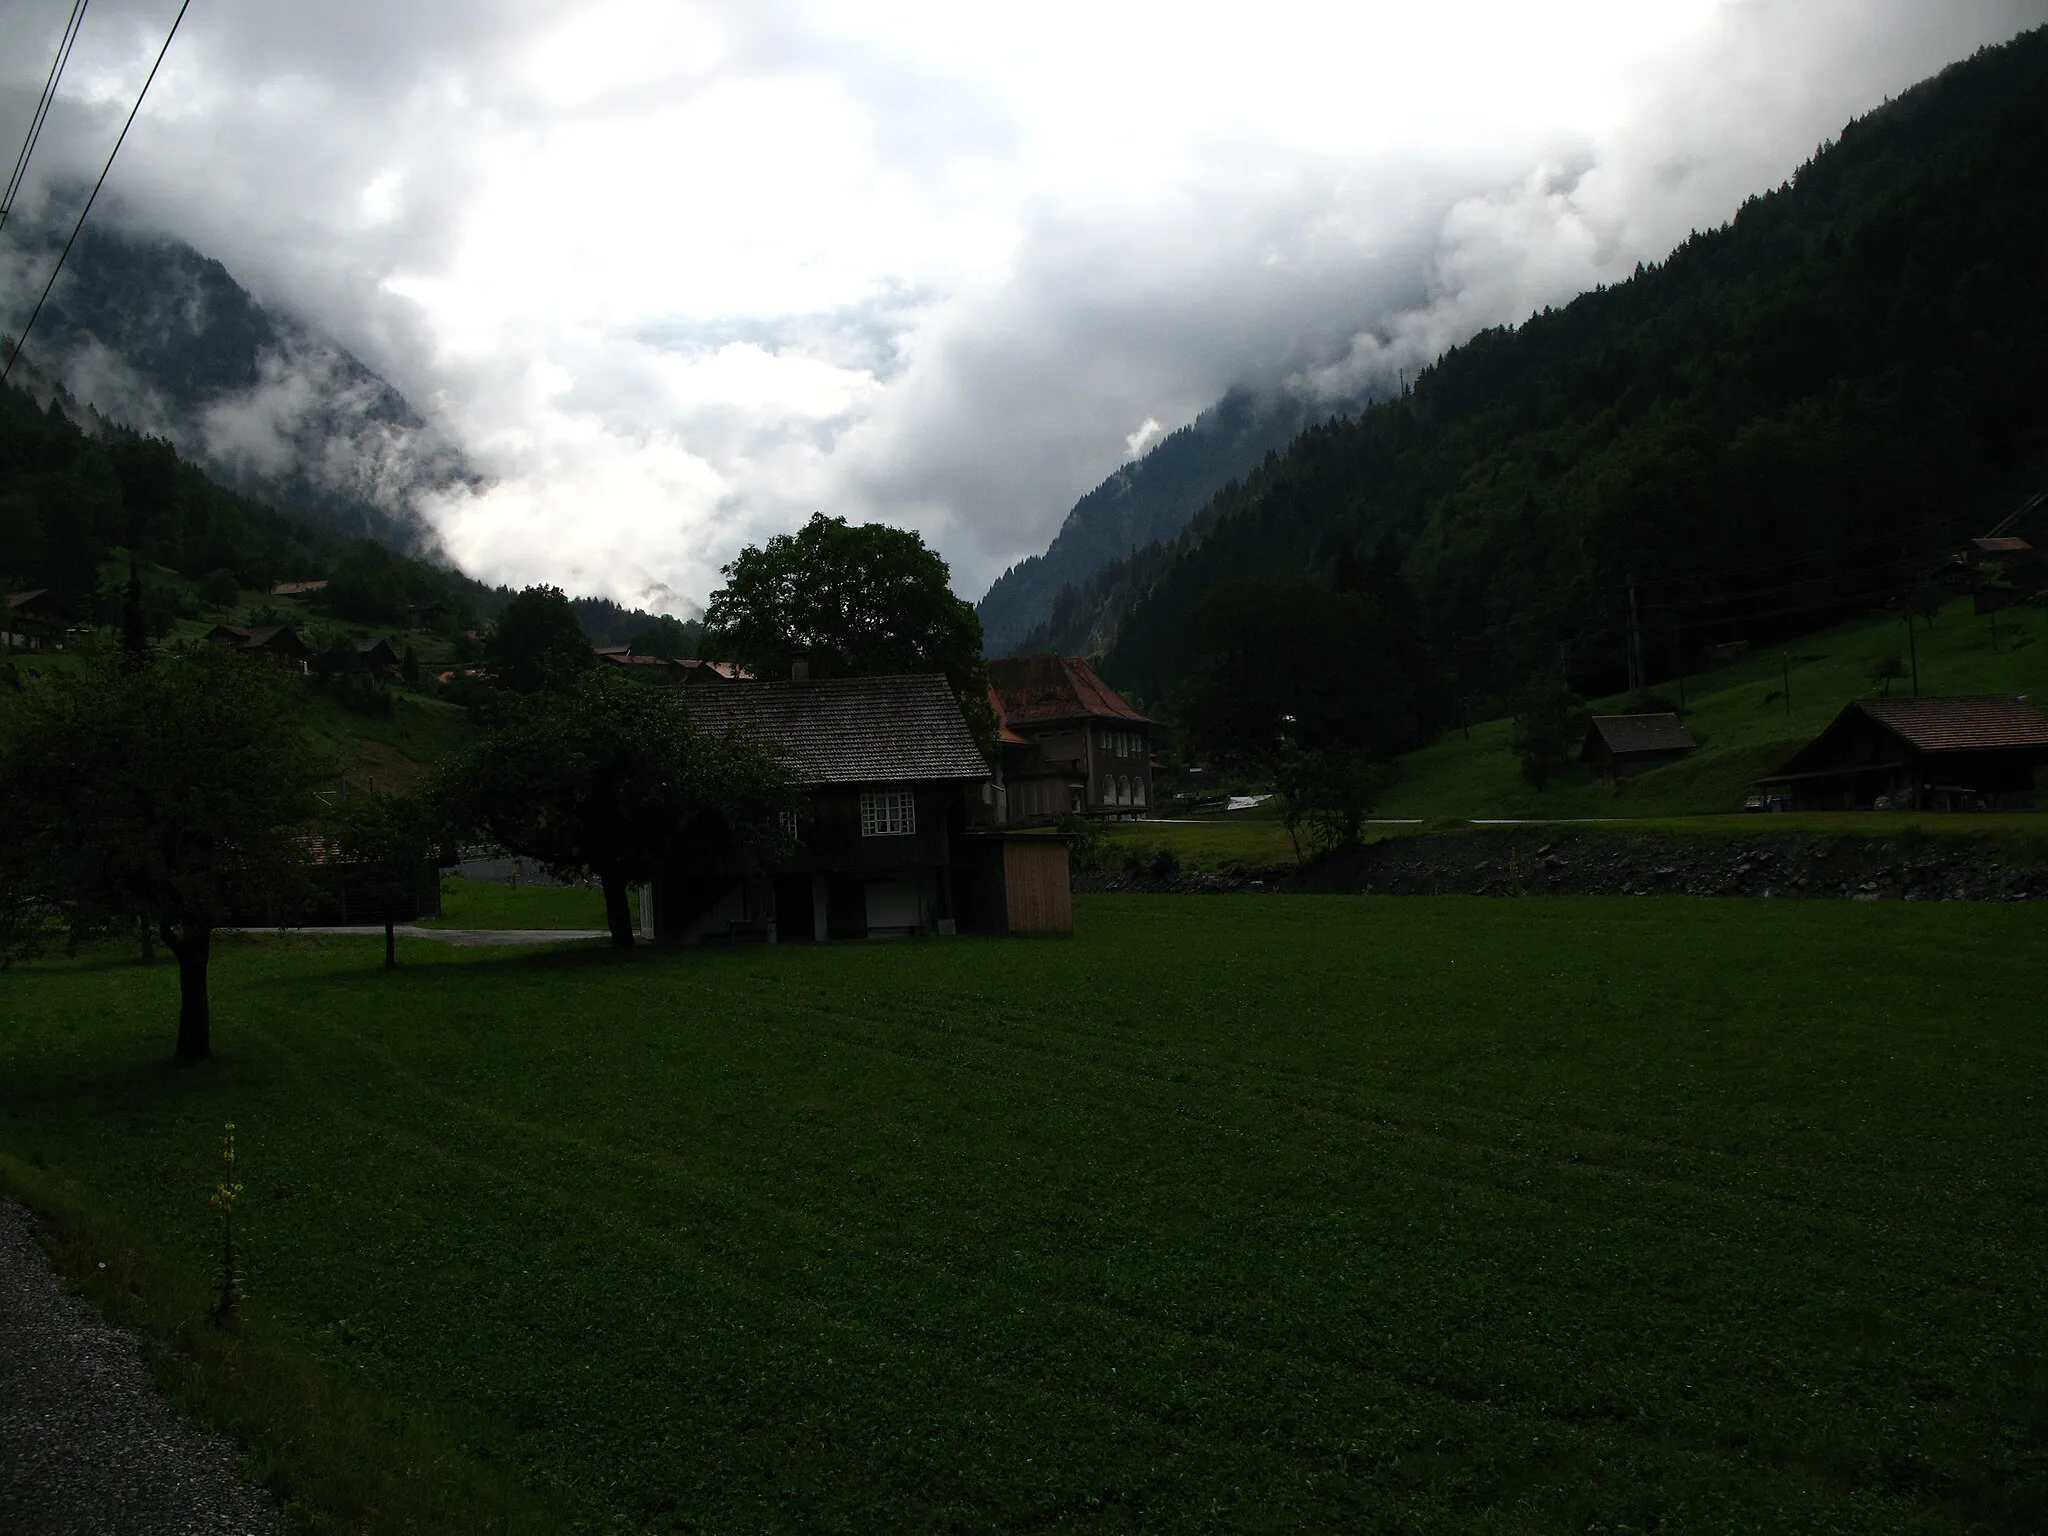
[(1786, 657), (1635, 643)]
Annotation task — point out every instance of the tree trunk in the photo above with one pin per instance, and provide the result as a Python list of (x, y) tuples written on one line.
[(193, 949), (618, 911)]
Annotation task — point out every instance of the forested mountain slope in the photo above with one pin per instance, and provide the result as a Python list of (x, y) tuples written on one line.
[(154, 335), (1773, 428), (1145, 501)]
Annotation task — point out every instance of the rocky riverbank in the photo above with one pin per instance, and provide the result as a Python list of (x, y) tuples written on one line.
[(1559, 861)]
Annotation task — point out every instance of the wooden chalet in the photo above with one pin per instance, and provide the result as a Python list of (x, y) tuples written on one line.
[(1070, 742), (886, 846), (680, 672), (1981, 752), (297, 588), (1620, 745), (376, 656), (34, 621), (281, 642)]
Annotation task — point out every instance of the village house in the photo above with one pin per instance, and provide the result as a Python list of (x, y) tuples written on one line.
[(280, 642), (34, 621), (1620, 745), (669, 672), (893, 840), (1980, 752), (1071, 743), (297, 588)]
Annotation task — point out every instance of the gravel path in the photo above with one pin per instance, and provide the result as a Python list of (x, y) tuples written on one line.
[(87, 1448)]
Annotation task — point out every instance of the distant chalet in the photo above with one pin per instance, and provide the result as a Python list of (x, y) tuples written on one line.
[(668, 671), (280, 642), (297, 588), (1070, 742), (895, 839), (1620, 745), (1979, 752)]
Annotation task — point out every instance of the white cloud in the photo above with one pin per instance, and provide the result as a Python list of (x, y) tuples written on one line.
[(676, 274)]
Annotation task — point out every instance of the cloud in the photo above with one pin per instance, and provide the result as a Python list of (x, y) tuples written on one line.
[(674, 275)]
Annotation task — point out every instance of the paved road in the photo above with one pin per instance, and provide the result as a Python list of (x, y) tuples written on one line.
[(464, 935), (87, 1448)]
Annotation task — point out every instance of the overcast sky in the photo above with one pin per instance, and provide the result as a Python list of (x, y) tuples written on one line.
[(676, 275)]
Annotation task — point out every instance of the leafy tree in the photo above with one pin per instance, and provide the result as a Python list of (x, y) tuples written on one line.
[(1328, 795), (601, 777), (219, 590), (385, 844), (665, 636), (853, 602), (536, 641), (1886, 670), (174, 792), (1550, 722)]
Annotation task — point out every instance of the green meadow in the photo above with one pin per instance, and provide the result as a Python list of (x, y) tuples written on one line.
[(1230, 1214), (1740, 716)]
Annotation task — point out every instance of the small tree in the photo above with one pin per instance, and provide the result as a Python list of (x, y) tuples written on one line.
[(1886, 670), (1328, 795), (385, 843), (1549, 722), (607, 778), (175, 791)]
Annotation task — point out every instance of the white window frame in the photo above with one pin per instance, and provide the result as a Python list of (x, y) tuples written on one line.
[(888, 812)]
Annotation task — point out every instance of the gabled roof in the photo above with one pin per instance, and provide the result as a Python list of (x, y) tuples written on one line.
[(1623, 734), (24, 599), (1038, 690), (851, 730), (2002, 546), (297, 588), (261, 637), (1981, 722), (1975, 722)]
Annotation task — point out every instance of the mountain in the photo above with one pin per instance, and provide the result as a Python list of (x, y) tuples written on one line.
[(1145, 501), (1775, 428), (154, 335)]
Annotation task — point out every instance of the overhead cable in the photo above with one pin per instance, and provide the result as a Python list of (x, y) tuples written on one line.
[(22, 340), (43, 104)]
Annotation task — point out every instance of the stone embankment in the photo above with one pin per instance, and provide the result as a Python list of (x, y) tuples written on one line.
[(1560, 861)]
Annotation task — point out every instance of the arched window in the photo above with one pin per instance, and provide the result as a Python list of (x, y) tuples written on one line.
[(1123, 791), (1138, 791)]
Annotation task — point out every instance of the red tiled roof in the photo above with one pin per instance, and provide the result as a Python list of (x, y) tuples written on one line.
[(2002, 546), (1975, 722), (1036, 690)]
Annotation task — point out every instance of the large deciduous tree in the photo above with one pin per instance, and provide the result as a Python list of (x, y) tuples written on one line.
[(536, 641), (599, 776), (176, 792), (851, 601)]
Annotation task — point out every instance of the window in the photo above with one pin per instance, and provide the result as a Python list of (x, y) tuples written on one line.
[(1123, 791), (887, 813), (1138, 791), (787, 820)]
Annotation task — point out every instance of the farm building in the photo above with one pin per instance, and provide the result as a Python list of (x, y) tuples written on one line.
[(297, 588), (33, 621), (279, 641), (1619, 745), (896, 840), (1070, 742), (1979, 752), (669, 672)]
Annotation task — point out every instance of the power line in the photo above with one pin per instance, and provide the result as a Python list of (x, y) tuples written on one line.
[(22, 340), (43, 105)]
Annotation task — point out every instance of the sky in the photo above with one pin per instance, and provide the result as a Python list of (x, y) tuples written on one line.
[(675, 275)]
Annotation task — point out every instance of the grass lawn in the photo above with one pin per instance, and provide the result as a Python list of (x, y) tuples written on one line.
[(1739, 713), (1233, 1214), (495, 904), (1253, 838)]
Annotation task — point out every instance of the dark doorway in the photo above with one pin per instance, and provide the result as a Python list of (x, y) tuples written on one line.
[(796, 920), (846, 908)]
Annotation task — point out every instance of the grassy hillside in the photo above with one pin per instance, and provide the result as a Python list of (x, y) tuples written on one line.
[(1739, 713), (1236, 1214)]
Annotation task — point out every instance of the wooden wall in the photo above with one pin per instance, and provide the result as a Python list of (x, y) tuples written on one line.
[(1037, 894)]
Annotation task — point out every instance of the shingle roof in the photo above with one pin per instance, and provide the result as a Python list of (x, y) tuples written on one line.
[(1037, 690), (1972, 723), (1643, 733), (2006, 545), (854, 730)]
